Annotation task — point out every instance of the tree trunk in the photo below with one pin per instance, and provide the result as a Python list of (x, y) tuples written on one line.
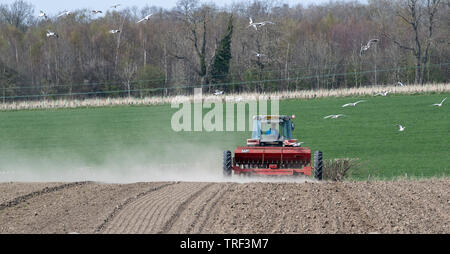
[(166, 72), (286, 70), (417, 73)]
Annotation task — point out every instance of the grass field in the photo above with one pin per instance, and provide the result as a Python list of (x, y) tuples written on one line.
[(126, 136)]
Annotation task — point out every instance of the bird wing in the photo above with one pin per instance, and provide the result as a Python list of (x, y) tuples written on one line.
[(328, 116), (443, 100), (140, 20), (346, 105)]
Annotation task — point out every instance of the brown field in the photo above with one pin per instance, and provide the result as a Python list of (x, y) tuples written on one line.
[(403, 206)]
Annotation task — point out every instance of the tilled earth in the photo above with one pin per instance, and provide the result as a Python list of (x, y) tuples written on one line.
[(417, 206)]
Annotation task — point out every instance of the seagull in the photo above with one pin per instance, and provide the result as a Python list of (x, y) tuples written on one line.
[(218, 92), (66, 13), (43, 14), (400, 83), (440, 104), (400, 127), (114, 31), (351, 104), (383, 93), (364, 48), (96, 12), (333, 116), (145, 18), (115, 6), (52, 34), (255, 25), (258, 54)]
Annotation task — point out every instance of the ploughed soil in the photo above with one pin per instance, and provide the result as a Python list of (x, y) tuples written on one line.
[(404, 206)]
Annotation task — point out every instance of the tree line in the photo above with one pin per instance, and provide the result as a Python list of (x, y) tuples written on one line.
[(203, 45)]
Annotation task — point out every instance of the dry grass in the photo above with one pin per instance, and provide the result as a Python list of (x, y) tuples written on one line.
[(338, 169), (300, 94)]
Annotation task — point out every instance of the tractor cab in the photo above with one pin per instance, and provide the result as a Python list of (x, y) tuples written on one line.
[(272, 130)]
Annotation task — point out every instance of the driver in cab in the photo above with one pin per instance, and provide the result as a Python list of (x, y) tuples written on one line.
[(272, 131)]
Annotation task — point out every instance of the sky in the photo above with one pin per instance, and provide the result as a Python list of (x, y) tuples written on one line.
[(53, 7)]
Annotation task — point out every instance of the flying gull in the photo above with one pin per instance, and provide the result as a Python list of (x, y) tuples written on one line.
[(440, 104), (258, 24), (353, 104), (145, 18), (333, 116), (366, 47)]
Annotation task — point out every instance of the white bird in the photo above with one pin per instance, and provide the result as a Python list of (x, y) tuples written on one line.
[(364, 48), (42, 14), (382, 93), (256, 25), (96, 12), (145, 18), (218, 92), (351, 104), (258, 54), (400, 127), (114, 31), (115, 6), (440, 104), (400, 83), (66, 13), (52, 34), (333, 116)]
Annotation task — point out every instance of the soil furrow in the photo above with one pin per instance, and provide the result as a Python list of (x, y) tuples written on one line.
[(207, 210), (118, 208), (168, 225), (149, 213), (161, 208), (23, 198)]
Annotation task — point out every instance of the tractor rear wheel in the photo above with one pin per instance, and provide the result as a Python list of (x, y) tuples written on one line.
[(318, 165), (227, 163)]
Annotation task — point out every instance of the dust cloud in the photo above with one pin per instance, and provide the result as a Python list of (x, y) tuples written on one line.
[(183, 162)]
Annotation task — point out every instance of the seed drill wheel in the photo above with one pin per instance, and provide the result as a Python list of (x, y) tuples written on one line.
[(227, 163), (318, 165)]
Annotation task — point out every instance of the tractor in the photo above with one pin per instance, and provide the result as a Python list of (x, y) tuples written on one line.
[(272, 151)]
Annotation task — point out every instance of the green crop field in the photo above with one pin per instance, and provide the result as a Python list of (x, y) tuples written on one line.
[(128, 135)]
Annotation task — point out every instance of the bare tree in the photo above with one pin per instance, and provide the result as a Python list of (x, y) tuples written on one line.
[(420, 15), (196, 20), (18, 14)]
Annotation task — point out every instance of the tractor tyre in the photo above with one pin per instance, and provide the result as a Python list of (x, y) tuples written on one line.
[(227, 163), (318, 165)]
